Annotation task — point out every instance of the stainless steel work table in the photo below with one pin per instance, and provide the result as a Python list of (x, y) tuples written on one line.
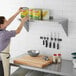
[(63, 69)]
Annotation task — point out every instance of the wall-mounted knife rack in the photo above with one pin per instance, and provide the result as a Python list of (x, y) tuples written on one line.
[(52, 41)]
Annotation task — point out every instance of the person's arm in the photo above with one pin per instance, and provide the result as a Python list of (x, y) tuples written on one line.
[(13, 17), (23, 20)]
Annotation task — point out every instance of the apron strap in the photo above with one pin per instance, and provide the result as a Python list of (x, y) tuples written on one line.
[(6, 53)]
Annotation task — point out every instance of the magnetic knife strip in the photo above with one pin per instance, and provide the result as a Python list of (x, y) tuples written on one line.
[(51, 42)]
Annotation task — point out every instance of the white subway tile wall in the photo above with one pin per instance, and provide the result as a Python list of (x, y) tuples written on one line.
[(31, 40)]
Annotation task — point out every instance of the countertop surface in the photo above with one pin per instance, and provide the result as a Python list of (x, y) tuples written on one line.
[(64, 68)]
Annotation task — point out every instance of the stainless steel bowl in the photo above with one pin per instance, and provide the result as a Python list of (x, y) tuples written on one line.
[(33, 53)]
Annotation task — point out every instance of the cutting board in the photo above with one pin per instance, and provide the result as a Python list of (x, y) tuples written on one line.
[(33, 61)]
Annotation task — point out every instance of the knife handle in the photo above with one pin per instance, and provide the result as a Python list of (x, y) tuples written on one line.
[(46, 43), (57, 45), (50, 44), (43, 42), (53, 44)]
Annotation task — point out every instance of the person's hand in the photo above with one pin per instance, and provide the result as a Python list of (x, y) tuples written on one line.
[(20, 10), (24, 19)]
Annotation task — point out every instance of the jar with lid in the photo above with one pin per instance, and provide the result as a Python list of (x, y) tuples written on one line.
[(54, 58), (59, 58)]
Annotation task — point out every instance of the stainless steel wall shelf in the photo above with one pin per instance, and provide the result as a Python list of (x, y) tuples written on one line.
[(62, 21)]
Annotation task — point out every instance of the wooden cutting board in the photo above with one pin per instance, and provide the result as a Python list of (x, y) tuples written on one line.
[(33, 61)]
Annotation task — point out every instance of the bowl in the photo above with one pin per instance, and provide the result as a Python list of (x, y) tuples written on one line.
[(73, 54), (33, 53)]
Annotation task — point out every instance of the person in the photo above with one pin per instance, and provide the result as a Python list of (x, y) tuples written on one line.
[(5, 38)]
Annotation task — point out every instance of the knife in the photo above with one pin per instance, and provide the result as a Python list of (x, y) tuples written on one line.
[(58, 42), (50, 43)]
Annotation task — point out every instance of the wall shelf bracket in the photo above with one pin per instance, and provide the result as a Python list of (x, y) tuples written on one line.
[(64, 23), (26, 25)]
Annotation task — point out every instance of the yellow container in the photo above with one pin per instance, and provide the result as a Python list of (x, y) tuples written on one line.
[(30, 13), (45, 14), (25, 12), (37, 14)]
